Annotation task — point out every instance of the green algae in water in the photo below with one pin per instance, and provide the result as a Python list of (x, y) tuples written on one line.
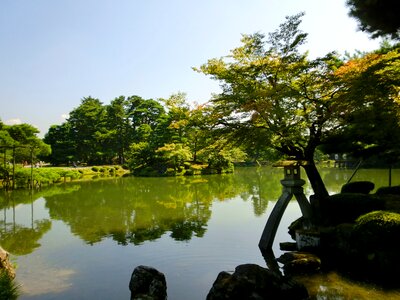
[(332, 286)]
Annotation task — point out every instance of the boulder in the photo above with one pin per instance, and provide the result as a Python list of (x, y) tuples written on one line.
[(5, 263), (148, 283), (251, 281), (300, 263)]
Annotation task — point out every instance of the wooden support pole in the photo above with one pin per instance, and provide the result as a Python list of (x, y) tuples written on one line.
[(13, 172)]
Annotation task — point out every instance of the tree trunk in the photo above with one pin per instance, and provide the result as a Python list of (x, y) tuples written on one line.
[(315, 179)]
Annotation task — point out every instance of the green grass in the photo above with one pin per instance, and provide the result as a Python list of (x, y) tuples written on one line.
[(9, 289)]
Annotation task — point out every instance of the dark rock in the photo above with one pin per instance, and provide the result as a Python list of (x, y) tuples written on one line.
[(253, 282), (308, 240), (300, 263), (358, 187), (5, 263), (288, 246), (148, 283), (297, 224)]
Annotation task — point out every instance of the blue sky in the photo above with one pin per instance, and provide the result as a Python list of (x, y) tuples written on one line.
[(53, 53)]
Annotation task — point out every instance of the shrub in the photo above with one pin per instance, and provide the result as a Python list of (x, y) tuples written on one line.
[(8, 287), (389, 190), (380, 228), (346, 208), (362, 187)]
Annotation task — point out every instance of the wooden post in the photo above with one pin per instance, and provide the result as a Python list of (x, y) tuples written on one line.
[(31, 168), (13, 176), (292, 186)]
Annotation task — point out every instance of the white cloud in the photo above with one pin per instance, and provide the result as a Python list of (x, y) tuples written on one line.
[(14, 121)]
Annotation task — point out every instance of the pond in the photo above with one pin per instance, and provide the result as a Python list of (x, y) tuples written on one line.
[(82, 240)]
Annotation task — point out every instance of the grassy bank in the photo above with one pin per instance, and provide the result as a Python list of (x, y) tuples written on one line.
[(26, 177)]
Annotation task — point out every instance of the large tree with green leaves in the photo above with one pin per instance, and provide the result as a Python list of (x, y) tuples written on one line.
[(88, 127), (371, 125), (272, 90), (25, 142), (63, 144)]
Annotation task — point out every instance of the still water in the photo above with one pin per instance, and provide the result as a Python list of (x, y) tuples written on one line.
[(82, 240)]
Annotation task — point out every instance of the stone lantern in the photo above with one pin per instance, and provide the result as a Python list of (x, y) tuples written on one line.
[(292, 186)]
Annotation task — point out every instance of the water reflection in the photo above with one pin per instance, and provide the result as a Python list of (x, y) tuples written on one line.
[(135, 210), (227, 212), (18, 238)]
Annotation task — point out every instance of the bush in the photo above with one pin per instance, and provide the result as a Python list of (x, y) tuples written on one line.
[(380, 228), (95, 169), (361, 187), (388, 190), (346, 208), (8, 288)]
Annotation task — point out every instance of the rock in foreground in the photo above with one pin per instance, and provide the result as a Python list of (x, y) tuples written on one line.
[(251, 281), (148, 283)]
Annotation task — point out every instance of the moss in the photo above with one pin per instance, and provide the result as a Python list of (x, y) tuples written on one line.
[(378, 228)]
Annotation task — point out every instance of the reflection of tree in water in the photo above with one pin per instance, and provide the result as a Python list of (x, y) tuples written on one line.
[(20, 240), (335, 178), (15, 238), (133, 210), (261, 185)]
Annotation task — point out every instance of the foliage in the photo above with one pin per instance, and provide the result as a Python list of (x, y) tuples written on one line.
[(379, 227), (377, 17), (346, 208), (8, 288), (175, 155), (40, 176), (274, 97), (369, 125), (361, 187), (21, 143)]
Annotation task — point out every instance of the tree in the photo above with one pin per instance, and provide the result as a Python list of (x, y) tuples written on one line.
[(178, 111), (199, 129), (272, 90), (63, 144), (378, 17), (26, 143), (6, 141), (88, 125), (175, 155), (118, 127), (371, 124)]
